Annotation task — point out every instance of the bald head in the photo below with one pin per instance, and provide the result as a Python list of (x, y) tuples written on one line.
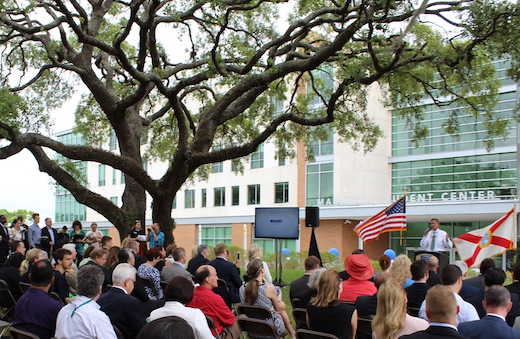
[(433, 263), (441, 305), (206, 276)]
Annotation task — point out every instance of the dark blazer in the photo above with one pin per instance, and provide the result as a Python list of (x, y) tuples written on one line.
[(138, 260), (434, 278), (45, 243), (231, 274), (514, 287), (477, 281), (4, 245), (195, 263), (511, 316), (488, 327), (417, 293), (124, 311), (299, 288), (468, 291), (434, 332), (366, 305)]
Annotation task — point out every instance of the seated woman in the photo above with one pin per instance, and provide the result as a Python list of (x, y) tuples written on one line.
[(360, 269), (32, 256), (400, 270), (391, 320), (10, 273), (258, 293), (178, 293), (326, 313), (149, 272)]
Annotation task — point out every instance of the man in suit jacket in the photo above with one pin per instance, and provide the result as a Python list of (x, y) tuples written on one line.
[(49, 237), (176, 269), (433, 271), (125, 312), (515, 286), (497, 304), (417, 291), (441, 309), (228, 271), (299, 286), (4, 241), (200, 259), (478, 281)]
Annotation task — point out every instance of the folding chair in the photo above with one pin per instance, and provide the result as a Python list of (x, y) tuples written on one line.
[(24, 286), (257, 328), (256, 312), (308, 334), (295, 302), (300, 317), (5, 288), (55, 296), (413, 311), (364, 327), (118, 332), (19, 334), (212, 326)]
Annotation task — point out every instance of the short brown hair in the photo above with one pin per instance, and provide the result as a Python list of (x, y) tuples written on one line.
[(311, 262), (441, 305), (220, 249), (98, 253)]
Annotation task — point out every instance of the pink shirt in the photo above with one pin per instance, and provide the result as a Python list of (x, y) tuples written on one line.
[(353, 288)]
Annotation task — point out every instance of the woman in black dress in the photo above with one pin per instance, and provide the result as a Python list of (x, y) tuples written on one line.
[(137, 233), (326, 313)]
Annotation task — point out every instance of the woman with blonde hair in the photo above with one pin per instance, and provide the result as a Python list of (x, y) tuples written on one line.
[(400, 270), (326, 313), (256, 252), (259, 293), (32, 256), (391, 320)]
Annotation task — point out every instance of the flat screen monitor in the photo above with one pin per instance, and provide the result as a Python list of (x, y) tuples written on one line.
[(277, 222)]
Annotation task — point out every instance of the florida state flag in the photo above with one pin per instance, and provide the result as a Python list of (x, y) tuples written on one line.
[(475, 246)]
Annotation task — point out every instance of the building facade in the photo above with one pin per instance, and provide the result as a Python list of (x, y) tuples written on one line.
[(455, 180)]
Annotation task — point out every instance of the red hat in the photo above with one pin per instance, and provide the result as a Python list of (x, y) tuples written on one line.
[(359, 267)]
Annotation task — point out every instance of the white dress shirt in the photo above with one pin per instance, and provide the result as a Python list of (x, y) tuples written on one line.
[(440, 245), (467, 312), (193, 316), (83, 319)]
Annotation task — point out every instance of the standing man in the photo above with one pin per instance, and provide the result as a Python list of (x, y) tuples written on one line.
[(435, 239), (4, 240), (200, 259), (228, 271), (35, 232), (49, 237), (155, 237)]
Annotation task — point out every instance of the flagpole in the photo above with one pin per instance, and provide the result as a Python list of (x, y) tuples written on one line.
[(515, 223)]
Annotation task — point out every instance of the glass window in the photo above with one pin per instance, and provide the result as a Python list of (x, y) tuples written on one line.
[(204, 197), (267, 245), (220, 196), (114, 200), (174, 203), (281, 192), (123, 180), (281, 154), (114, 176), (321, 147), (189, 198), (253, 194), (217, 167), (112, 141), (320, 182), (101, 175), (235, 195), (216, 234), (257, 157)]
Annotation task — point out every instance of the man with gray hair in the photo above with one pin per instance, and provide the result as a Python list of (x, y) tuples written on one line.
[(81, 318), (124, 310), (200, 259), (497, 304), (177, 269)]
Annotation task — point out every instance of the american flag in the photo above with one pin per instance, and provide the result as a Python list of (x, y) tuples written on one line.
[(392, 218)]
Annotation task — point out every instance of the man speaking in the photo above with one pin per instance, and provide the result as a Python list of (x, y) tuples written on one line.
[(435, 239)]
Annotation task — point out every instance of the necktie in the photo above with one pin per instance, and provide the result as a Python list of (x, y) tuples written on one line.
[(434, 235)]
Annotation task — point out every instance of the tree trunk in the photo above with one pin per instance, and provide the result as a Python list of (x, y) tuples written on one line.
[(162, 214)]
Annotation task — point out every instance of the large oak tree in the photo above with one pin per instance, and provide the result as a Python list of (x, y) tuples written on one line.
[(199, 79)]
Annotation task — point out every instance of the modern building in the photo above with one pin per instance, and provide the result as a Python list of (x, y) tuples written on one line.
[(455, 180)]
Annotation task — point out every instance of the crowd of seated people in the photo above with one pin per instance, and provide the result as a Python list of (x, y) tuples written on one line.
[(114, 292)]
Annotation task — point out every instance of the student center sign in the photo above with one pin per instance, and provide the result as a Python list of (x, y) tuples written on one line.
[(448, 196)]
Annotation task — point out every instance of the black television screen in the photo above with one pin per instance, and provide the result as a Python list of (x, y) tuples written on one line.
[(277, 222)]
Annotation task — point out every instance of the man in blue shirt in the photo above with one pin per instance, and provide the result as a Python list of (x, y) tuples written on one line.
[(35, 232), (156, 237)]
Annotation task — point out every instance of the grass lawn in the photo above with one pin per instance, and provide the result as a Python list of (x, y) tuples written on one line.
[(287, 277)]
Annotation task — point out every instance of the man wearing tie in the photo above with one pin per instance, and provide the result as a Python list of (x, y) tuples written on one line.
[(4, 239), (49, 236), (435, 239)]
